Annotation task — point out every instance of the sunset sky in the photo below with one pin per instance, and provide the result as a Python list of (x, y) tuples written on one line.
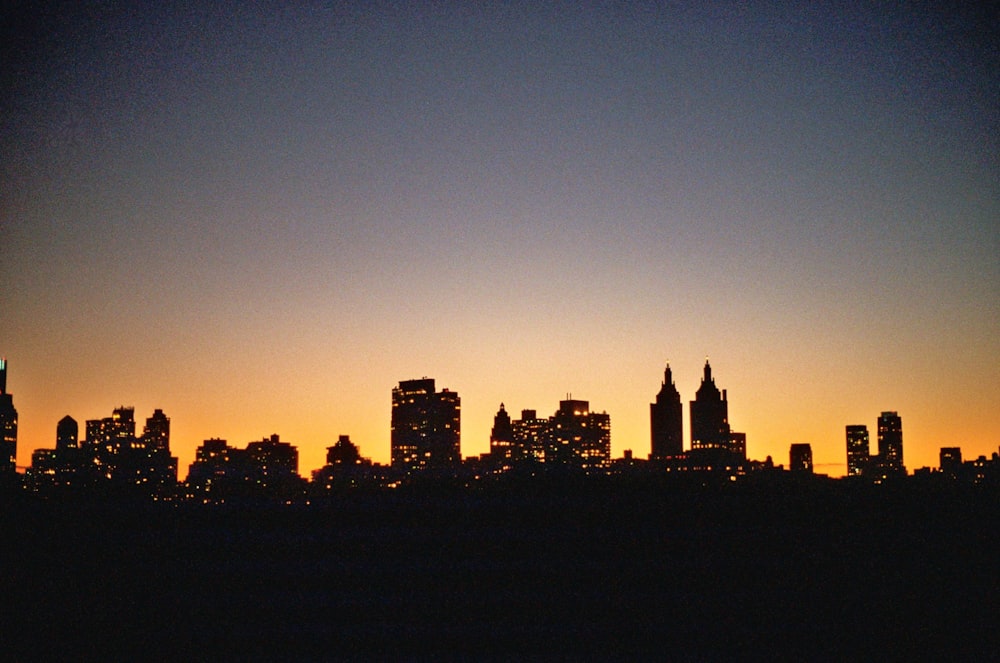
[(261, 219)]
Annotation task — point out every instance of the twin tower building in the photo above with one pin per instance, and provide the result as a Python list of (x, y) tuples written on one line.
[(426, 430), (711, 436)]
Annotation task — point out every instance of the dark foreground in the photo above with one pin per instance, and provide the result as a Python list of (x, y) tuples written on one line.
[(585, 573)]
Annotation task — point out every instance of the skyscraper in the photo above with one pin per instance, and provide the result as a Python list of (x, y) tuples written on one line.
[(709, 416), (502, 445), (8, 425), (426, 427), (666, 420), (67, 434), (529, 436), (156, 433), (857, 450), (890, 442), (578, 437), (112, 434)]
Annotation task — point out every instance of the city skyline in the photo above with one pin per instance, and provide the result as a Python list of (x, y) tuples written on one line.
[(428, 426), (259, 219)]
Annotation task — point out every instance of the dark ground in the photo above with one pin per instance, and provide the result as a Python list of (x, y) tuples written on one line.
[(596, 573)]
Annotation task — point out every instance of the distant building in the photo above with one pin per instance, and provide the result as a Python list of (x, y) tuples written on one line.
[(573, 437), (60, 467), (709, 415), (800, 458), (67, 434), (219, 469), (108, 437), (712, 442), (344, 453), (666, 420), (578, 437), (426, 427), (275, 463), (156, 433), (951, 461), (890, 443), (8, 425), (266, 468), (738, 444), (530, 432), (346, 468), (857, 450), (110, 457), (504, 450)]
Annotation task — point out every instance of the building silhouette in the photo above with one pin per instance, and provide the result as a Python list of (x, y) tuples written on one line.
[(156, 433), (738, 445), (713, 443), (344, 453), (858, 450), (110, 457), (275, 463), (890, 442), (109, 437), (504, 450), (800, 458), (426, 427), (8, 425), (530, 433), (265, 468), (709, 415), (218, 469), (574, 437), (127, 460), (67, 434), (68, 466), (666, 421), (347, 468), (577, 437)]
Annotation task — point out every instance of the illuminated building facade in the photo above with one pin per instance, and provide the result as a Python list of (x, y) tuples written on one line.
[(890, 442), (126, 459), (858, 450), (268, 467), (275, 463), (109, 436), (156, 433), (426, 427), (530, 432), (666, 421), (800, 458), (8, 425), (110, 456), (578, 437), (219, 469), (573, 437)]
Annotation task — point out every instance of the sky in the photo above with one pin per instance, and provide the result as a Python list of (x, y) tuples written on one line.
[(261, 218)]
